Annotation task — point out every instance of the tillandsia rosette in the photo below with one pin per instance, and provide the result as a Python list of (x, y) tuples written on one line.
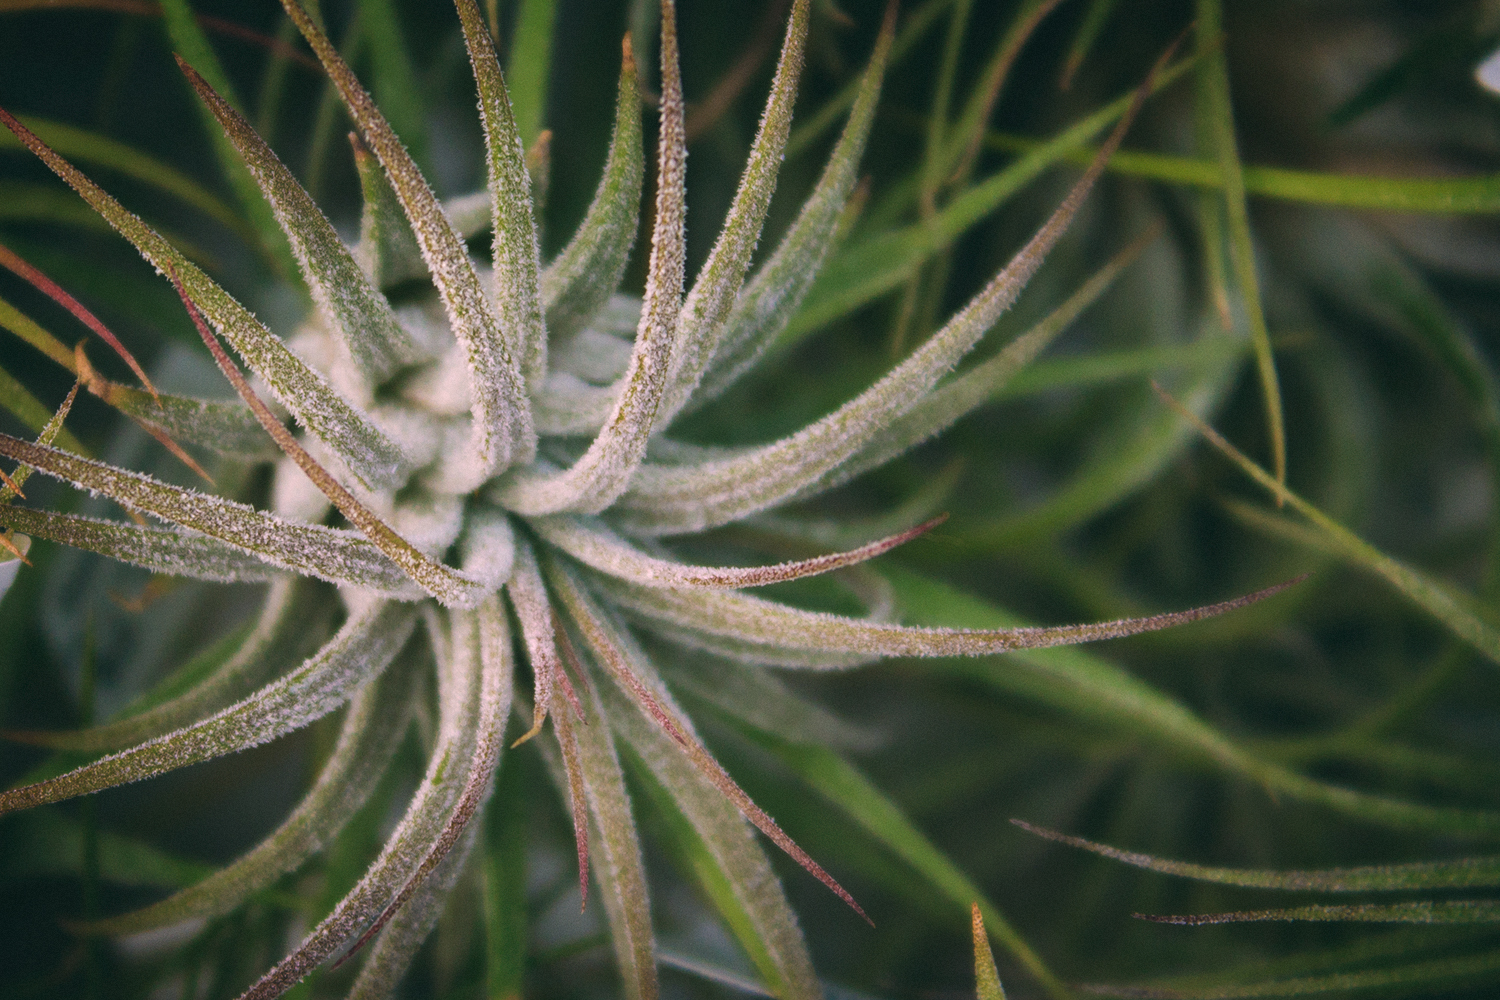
[(486, 473)]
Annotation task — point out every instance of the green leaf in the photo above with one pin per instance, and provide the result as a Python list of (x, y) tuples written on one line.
[(516, 252), (530, 67), (1086, 686), (387, 248), (502, 428), (576, 285), (371, 731), (360, 651), (1460, 873), (842, 784), (1455, 609), (225, 426), (868, 269), (351, 436), (189, 41), (393, 78), (1213, 82), (1467, 911), (355, 310), (87, 147), (604, 471), (986, 976), (326, 553)]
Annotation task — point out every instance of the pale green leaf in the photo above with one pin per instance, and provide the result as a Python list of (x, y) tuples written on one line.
[(605, 469), (359, 652), (354, 309), (351, 436), (371, 731), (426, 816), (326, 553), (576, 285), (502, 428)]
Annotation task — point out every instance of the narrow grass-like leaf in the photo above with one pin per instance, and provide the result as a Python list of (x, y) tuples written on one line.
[(180, 553), (359, 652), (326, 553), (1474, 195), (841, 783), (1453, 608), (387, 248), (1079, 683), (579, 282), (87, 147), (248, 664), (504, 881), (749, 895), (354, 309), (516, 254), (756, 620), (604, 471), (369, 454), (1215, 79), (528, 595), (773, 296), (393, 77), (189, 41), (1460, 873), (1083, 41), (502, 417), (493, 709), (531, 66), (1466, 911), (446, 584), (619, 871), (224, 426), (872, 267), (370, 734), (432, 805), (1130, 453), (685, 498), (712, 297), (965, 138), (1463, 968), (595, 545), (941, 408), (986, 976), (618, 654)]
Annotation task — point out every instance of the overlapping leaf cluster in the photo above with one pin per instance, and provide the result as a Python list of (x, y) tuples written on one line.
[(499, 476)]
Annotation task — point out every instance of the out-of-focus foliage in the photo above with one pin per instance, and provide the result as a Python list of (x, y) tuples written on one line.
[(1325, 178)]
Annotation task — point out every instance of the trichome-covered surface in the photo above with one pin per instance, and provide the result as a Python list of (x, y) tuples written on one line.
[(517, 430)]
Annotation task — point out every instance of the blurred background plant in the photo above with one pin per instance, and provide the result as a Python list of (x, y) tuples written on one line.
[(1323, 176)]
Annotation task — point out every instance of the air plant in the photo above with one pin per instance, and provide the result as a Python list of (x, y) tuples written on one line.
[(490, 469)]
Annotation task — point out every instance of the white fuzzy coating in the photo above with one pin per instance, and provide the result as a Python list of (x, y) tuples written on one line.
[(459, 679), (604, 471), (502, 428), (309, 549), (713, 294)]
